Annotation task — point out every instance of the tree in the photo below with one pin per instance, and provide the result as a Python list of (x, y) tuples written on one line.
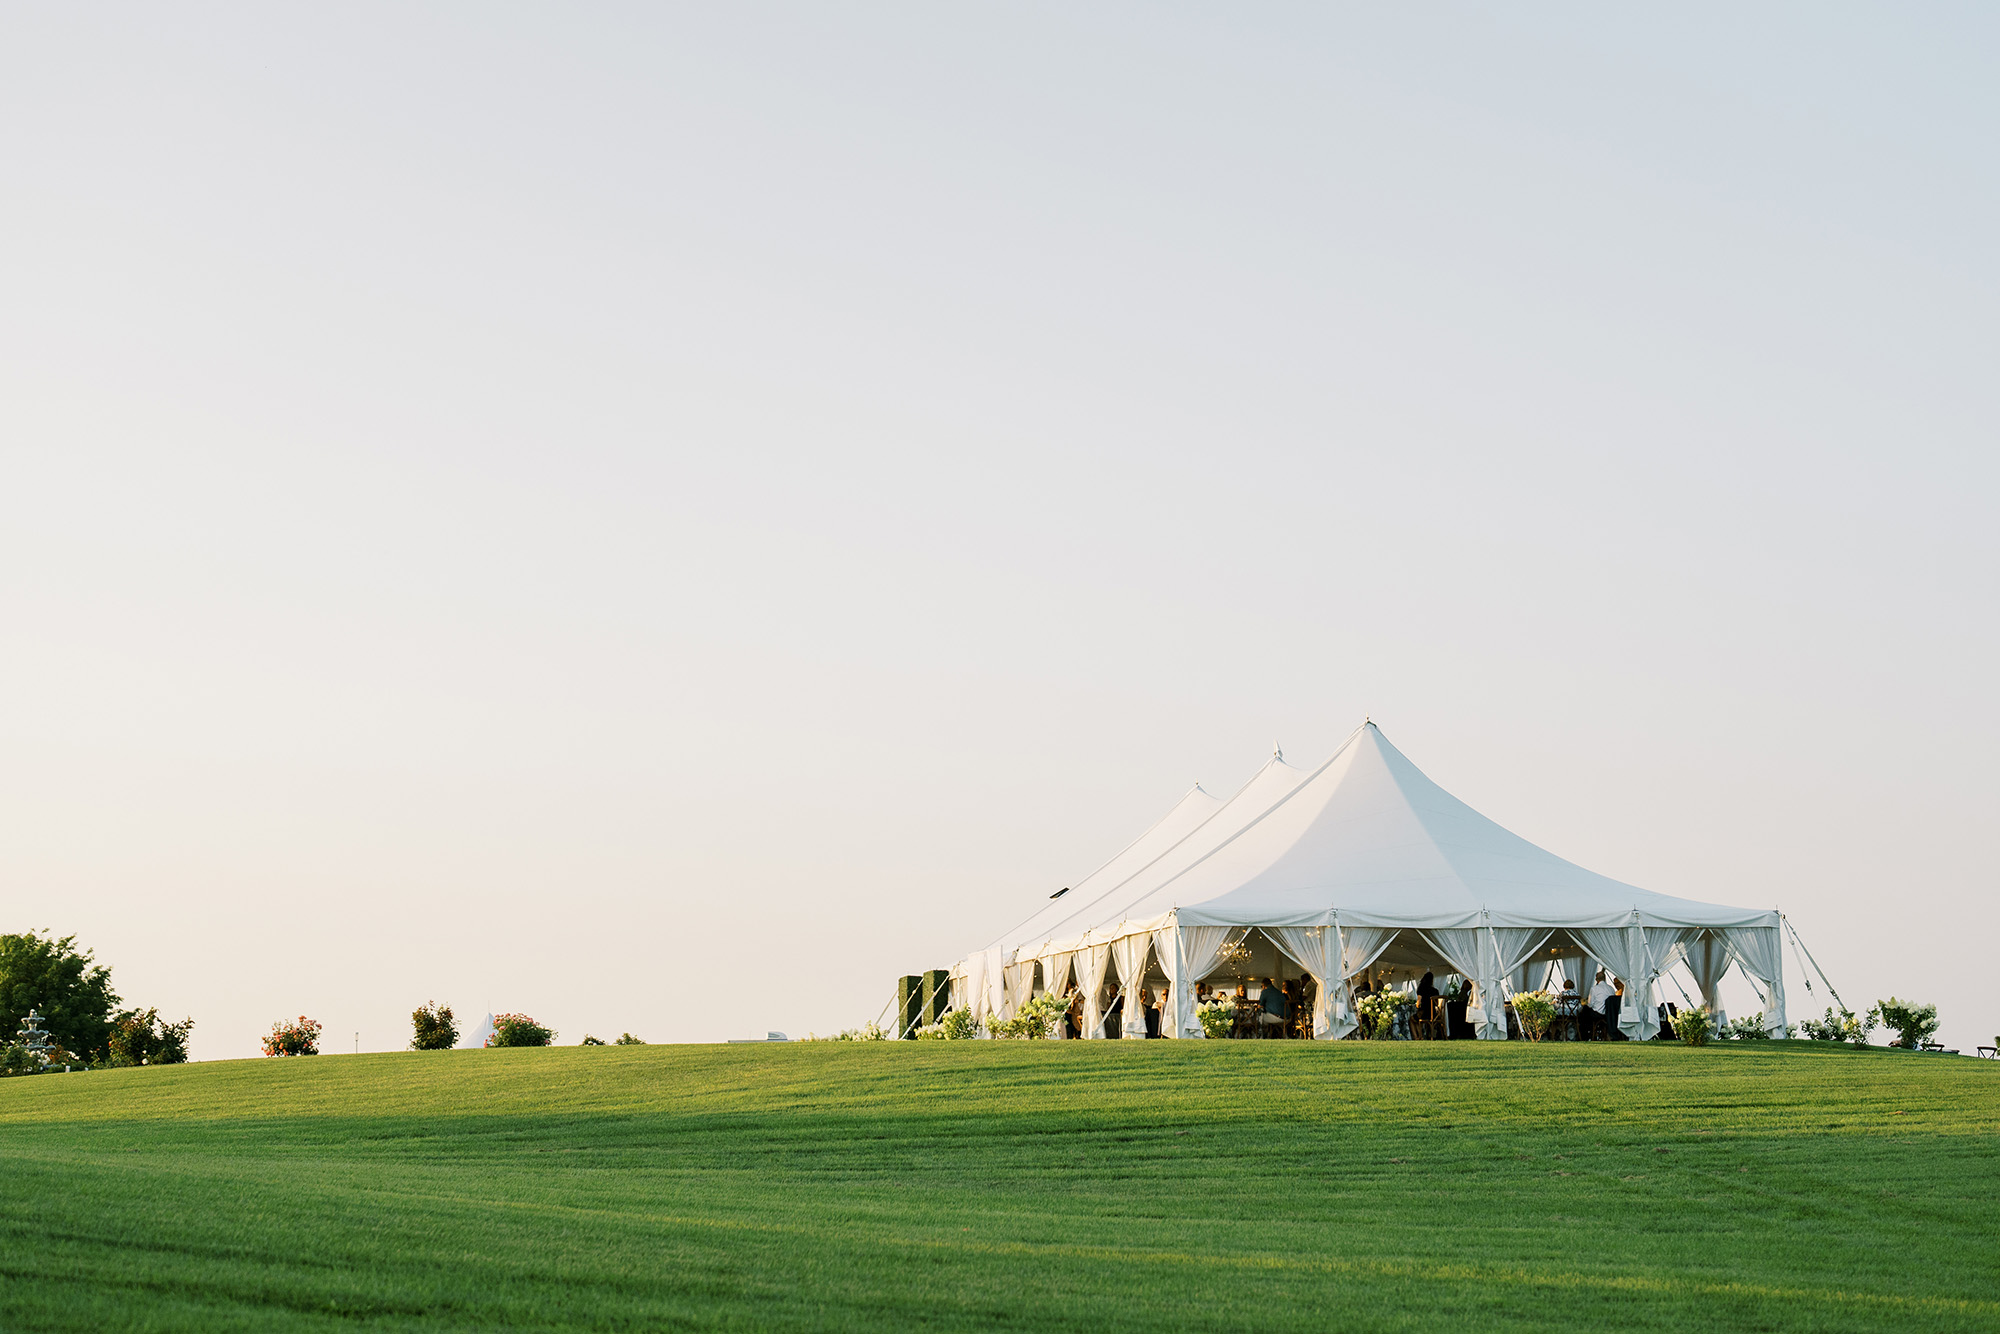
[(70, 988), (518, 1030), (140, 1038), (435, 1028)]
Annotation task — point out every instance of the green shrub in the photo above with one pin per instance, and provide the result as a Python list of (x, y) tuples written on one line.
[(139, 1038), (1693, 1025), (1752, 1029), (434, 1028), (1838, 1026), (589, 1041), (17, 1060), (1914, 1024), (294, 1039), (627, 1040), (1536, 1010), (1038, 1017), (518, 1030), (871, 1032)]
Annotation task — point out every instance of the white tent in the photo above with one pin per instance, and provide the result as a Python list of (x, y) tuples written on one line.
[(1360, 860)]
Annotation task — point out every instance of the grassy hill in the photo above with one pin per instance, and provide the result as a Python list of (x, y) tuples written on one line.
[(1164, 1185)]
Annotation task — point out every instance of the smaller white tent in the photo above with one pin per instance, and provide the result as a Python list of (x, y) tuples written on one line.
[(1361, 859), (478, 1036)]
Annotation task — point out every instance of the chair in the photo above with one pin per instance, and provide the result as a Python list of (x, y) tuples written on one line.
[(1993, 1052), (1430, 1018)]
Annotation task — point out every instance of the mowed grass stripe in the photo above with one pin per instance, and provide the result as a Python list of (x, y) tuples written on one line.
[(1008, 1186)]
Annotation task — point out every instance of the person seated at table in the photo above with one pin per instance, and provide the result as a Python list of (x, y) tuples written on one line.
[(1073, 1016), (1601, 991), (1242, 991), (1428, 987), (1274, 1011), (1114, 1018), (1612, 1008), (1150, 1010)]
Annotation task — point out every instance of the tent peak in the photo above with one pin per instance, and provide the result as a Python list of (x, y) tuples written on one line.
[(1277, 751)]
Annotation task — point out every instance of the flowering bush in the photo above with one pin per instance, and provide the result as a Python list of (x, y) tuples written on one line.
[(1217, 1015), (435, 1029), (1839, 1026), (1536, 1010), (518, 1030), (868, 1033), (958, 1025), (294, 1039), (627, 1040), (1693, 1024), (1379, 1009), (1038, 1017), (18, 1060), (1914, 1024)]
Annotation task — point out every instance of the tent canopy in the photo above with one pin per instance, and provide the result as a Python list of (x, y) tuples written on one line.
[(1367, 843)]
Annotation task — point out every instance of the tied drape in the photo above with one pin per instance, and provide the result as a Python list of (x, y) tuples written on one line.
[(1707, 958), (1759, 953), (1163, 952), (996, 982), (1020, 978), (1513, 946), (1129, 954), (1198, 949), (1470, 951), (1090, 962), (1315, 949), (973, 995)]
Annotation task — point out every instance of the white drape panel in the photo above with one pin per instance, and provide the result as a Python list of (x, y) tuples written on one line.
[(1164, 943), (996, 981), (975, 986), (1055, 972), (1623, 950), (1653, 951), (1199, 948), (1362, 945), (1129, 954), (1020, 977), (1760, 954), (1470, 950), (1359, 947), (1315, 949), (1090, 964), (1513, 947), (1707, 958)]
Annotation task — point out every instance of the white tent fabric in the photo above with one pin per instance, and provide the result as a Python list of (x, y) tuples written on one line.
[(1315, 949), (1090, 962), (1128, 954), (1368, 845)]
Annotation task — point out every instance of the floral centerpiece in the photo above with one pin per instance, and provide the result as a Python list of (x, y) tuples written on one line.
[(1217, 1015), (1379, 1009)]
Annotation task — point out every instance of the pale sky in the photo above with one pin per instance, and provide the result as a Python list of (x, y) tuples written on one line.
[(667, 519)]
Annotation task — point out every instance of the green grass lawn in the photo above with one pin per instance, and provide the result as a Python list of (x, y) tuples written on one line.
[(1225, 1186)]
